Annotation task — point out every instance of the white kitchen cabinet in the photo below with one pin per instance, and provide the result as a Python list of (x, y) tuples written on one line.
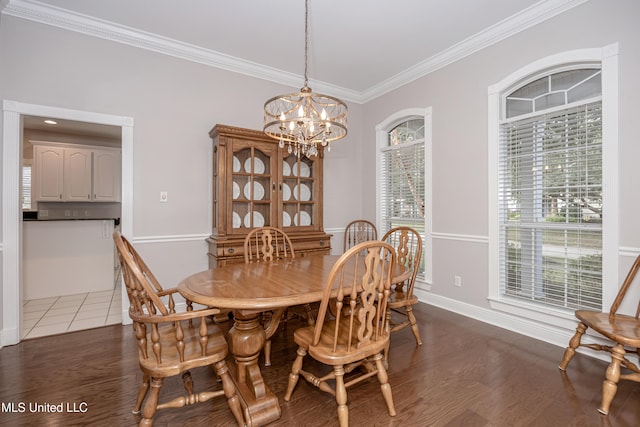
[(76, 173), (106, 175), (48, 173)]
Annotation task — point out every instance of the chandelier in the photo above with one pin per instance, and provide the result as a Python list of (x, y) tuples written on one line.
[(305, 119)]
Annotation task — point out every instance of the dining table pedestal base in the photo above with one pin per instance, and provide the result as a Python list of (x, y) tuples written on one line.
[(246, 339)]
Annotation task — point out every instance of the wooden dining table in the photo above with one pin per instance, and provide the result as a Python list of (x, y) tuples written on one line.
[(249, 290)]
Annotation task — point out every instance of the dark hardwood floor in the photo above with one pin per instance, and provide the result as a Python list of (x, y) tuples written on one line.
[(466, 373)]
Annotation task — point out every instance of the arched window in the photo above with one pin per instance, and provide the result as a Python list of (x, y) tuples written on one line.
[(550, 190), (404, 171), (402, 177), (550, 164)]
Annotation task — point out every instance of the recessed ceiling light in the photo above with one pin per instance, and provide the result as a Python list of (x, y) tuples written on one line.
[(51, 122)]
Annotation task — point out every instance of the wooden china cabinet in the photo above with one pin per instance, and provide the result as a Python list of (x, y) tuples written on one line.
[(256, 183)]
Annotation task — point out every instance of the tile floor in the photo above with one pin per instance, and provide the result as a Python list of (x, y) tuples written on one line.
[(55, 315)]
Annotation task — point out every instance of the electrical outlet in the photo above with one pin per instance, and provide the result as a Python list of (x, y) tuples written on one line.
[(164, 197), (457, 281)]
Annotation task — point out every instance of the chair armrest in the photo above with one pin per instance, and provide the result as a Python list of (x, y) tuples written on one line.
[(166, 292)]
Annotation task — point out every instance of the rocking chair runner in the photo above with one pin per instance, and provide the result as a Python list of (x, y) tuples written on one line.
[(358, 335), (171, 343), (624, 332)]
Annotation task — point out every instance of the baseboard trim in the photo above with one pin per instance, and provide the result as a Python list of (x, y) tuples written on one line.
[(547, 333)]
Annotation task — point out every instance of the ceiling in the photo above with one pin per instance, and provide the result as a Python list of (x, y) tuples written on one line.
[(358, 49), (107, 133)]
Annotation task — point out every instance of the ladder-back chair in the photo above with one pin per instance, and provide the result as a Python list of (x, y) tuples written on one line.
[(359, 282), (269, 244), (624, 332), (171, 343)]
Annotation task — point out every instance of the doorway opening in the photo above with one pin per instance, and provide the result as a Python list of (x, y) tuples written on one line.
[(14, 114)]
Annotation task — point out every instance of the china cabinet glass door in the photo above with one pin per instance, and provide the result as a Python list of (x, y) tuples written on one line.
[(253, 177), (299, 192)]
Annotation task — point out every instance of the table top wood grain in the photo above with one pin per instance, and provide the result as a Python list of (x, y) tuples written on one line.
[(263, 286)]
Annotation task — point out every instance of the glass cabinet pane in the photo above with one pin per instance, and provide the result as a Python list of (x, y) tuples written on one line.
[(298, 188), (251, 188)]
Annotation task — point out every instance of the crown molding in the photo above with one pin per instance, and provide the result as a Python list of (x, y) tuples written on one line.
[(508, 27), (62, 18)]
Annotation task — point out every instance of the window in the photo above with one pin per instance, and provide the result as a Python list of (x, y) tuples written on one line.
[(403, 178), (26, 186), (553, 208), (550, 191)]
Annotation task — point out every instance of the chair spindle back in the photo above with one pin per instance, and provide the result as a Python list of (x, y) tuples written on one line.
[(361, 279), (359, 231), (267, 244)]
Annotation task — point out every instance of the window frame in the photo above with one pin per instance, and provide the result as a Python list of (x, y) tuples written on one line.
[(607, 59), (382, 141)]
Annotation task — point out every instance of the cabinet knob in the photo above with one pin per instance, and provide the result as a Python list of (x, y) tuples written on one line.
[(321, 242), (231, 250)]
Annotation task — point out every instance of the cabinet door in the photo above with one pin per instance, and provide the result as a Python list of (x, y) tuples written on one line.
[(252, 186), (301, 192), (48, 173), (77, 175), (106, 175)]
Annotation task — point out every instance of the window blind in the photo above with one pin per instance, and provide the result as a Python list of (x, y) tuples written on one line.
[(550, 195), (26, 187), (402, 186)]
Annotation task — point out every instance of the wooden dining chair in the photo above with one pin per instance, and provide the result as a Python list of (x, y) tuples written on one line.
[(269, 244), (359, 231), (171, 343), (408, 247), (357, 336), (624, 333)]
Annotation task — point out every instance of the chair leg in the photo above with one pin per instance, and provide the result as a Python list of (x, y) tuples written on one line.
[(385, 387), (612, 376), (385, 357), (387, 325), (143, 389), (267, 353), (151, 405), (414, 325), (574, 343), (295, 373), (341, 396), (230, 391)]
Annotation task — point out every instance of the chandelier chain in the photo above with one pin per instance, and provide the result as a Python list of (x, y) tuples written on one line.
[(306, 41)]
